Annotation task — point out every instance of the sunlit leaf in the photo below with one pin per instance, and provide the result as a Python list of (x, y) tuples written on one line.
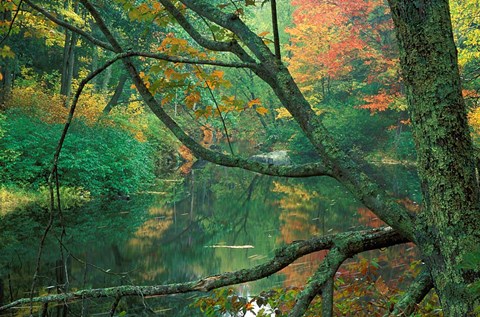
[(261, 110)]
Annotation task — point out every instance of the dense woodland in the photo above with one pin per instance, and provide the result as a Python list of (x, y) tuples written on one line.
[(103, 100)]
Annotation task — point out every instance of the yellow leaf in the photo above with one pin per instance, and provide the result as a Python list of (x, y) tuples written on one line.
[(262, 34), (282, 113), (262, 110), (1, 76)]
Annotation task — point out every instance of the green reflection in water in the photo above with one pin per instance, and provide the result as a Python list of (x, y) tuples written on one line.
[(179, 233)]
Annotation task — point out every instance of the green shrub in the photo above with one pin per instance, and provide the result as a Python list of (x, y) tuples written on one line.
[(102, 159)]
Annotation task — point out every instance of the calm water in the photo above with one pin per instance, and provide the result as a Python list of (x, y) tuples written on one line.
[(174, 234)]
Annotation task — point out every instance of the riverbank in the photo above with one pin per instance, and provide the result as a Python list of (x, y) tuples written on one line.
[(13, 198)]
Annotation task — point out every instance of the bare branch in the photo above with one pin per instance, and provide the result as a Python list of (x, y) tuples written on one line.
[(276, 36), (420, 287), (183, 60), (356, 241), (10, 27), (115, 305), (66, 25)]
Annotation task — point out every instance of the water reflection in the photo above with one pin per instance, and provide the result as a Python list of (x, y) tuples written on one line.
[(167, 236)]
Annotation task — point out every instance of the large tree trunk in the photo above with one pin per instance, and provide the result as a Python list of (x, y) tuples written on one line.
[(448, 226)]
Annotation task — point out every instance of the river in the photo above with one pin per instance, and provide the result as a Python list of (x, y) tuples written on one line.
[(214, 220)]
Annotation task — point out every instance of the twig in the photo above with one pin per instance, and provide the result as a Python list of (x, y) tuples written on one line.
[(11, 24), (42, 243), (219, 112), (114, 305), (66, 25)]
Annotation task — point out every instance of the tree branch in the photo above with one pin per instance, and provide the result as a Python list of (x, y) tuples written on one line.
[(370, 239), (276, 36), (66, 25), (414, 295), (341, 250), (213, 45), (306, 170), (336, 162), (10, 26), (183, 60), (233, 23), (346, 170), (319, 280), (327, 298)]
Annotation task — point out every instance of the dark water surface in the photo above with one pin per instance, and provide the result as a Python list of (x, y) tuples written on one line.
[(178, 233)]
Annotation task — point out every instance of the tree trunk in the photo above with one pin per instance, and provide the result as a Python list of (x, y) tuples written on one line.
[(68, 61), (447, 227), (106, 79), (116, 96), (6, 82), (5, 67)]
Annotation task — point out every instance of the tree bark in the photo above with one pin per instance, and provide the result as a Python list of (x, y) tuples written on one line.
[(447, 227)]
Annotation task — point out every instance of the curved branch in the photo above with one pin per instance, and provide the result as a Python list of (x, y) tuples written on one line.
[(10, 27), (71, 113), (213, 45), (306, 170), (233, 23), (341, 250), (370, 239), (336, 162), (414, 295), (346, 170), (68, 26)]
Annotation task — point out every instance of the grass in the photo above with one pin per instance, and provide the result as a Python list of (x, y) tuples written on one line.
[(13, 198)]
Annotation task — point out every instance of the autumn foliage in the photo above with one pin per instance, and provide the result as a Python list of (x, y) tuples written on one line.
[(346, 41)]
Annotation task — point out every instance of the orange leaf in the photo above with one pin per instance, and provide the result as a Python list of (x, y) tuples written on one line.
[(253, 102), (381, 286), (169, 72), (217, 73), (261, 110)]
